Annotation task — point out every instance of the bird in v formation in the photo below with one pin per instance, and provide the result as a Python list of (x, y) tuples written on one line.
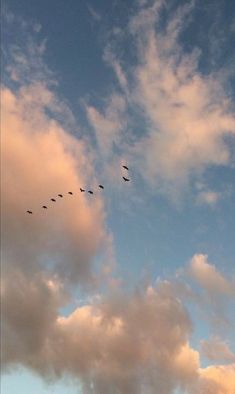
[(81, 190)]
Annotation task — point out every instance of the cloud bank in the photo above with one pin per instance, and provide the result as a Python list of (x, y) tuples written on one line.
[(136, 342)]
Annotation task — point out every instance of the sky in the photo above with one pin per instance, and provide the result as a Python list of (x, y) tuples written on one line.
[(130, 290)]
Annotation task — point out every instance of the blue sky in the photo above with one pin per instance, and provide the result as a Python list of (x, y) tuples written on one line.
[(87, 88)]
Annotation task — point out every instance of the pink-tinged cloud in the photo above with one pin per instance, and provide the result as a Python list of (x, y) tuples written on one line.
[(189, 113), (207, 276), (40, 160), (216, 380), (185, 115), (129, 343), (108, 127), (217, 350)]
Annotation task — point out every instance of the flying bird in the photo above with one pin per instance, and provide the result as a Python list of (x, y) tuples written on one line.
[(30, 212), (101, 186), (70, 193), (44, 206), (60, 195), (52, 199), (126, 179), (82, 190), (126, 168), (90, 191)]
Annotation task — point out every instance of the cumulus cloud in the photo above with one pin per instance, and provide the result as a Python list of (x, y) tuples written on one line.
[(128, 343), (29, 310), (46, 253), (216, 380), (131, 344), (41, 160)]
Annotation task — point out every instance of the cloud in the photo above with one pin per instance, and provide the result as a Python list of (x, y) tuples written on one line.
[(207, 276), (108, 127), (208, 197), (42, 160), (128, 343), (188, 113), (27, 65), (29, 310), (131, 343), (49, 254), (94, 14), (215, 349), (185, 115), (216, 380), (113, 61)]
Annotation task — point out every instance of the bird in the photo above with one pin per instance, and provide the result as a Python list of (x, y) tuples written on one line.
[(82, 190), (126, 168), (44, 206), (126, 179), (90, 191), (60, 195), (30, 212), (52, 199), (70, 193), (101, 186)]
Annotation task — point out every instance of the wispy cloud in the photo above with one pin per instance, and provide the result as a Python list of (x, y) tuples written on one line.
[(109, 126), (207, 276), (186, 115), (94, 13), (217, 350)]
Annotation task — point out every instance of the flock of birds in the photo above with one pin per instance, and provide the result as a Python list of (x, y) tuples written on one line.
[(81, 190)]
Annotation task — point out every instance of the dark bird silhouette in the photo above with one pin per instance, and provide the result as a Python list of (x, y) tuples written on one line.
[(82, 190), (60, 195), (126, 179), (70, 193), (44, 206), (90, 191), (101, 186), (30, 212), (126, 168), (52, 199)]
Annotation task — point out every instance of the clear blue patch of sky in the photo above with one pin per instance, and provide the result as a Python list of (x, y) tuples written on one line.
[(24, 381)]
